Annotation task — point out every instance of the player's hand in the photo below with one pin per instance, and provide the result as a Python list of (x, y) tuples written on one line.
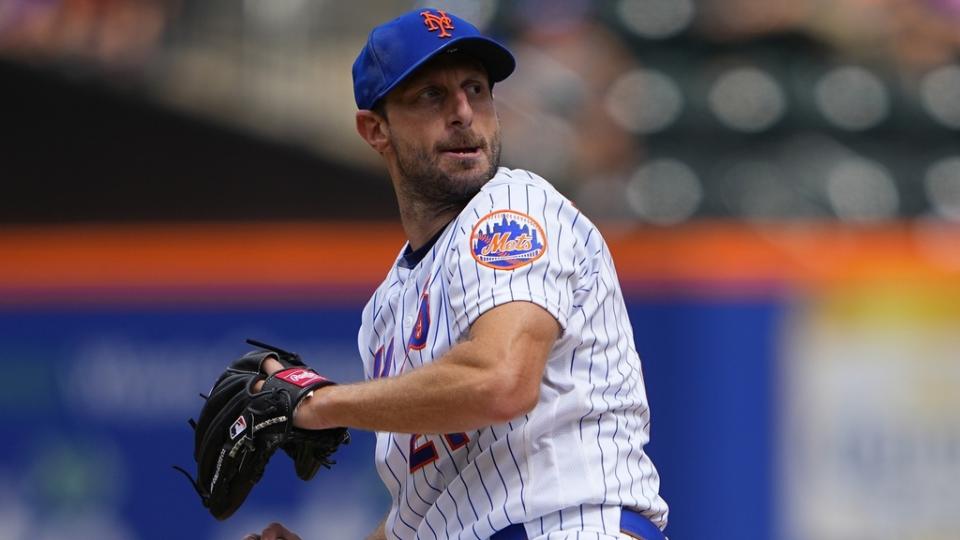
[(274, 531), (269, 367)]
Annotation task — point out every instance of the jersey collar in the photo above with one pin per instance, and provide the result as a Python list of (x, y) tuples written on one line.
[(411, 258)]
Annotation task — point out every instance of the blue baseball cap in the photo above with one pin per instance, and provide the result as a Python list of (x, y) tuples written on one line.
[(397, 48)]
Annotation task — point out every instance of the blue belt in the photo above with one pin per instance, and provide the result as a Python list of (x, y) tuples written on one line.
[(631, 521)]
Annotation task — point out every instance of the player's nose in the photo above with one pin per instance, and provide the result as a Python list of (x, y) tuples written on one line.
[(461, 111)]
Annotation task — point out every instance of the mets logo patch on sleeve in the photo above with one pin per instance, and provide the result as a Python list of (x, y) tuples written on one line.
[(504, 240)]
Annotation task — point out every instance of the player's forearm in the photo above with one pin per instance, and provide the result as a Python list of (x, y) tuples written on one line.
[(453, 394)]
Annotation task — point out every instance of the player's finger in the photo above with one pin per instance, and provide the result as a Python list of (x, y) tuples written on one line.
[(270, 366)]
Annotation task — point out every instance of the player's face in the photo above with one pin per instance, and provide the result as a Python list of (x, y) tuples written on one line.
[(444, 130)]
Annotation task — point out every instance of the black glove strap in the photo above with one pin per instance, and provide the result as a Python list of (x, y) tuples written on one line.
[(297, 382)]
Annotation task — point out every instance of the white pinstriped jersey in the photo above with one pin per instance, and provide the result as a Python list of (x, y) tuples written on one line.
[(577, 457)]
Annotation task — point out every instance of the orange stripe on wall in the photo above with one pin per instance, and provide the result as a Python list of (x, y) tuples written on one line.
[(311, 255), (204, 254), (800, 254)]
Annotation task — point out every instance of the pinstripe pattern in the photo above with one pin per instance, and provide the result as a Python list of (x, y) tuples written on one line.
[(564, 469)]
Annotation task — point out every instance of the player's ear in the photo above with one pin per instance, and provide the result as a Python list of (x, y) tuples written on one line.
[(373, 129)]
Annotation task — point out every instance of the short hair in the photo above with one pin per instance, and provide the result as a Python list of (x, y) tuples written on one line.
[(380, 107)]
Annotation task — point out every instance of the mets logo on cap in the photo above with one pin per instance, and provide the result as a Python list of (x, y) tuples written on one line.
[(504, 240), (438, 21)]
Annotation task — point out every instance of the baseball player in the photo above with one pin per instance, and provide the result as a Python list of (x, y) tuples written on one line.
[(502, 379)]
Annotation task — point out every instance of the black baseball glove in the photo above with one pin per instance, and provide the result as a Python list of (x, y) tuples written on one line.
[(239, 430)]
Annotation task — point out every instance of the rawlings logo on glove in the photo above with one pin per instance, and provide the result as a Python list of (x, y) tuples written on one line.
[(299, 377)]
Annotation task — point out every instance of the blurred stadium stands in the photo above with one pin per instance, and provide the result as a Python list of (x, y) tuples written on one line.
[(653, 111), (779, 183)]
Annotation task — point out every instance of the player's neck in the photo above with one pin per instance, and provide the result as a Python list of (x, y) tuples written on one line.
[(423, 212), (422, 222)]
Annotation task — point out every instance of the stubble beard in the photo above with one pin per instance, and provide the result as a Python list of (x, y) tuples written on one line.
[(433, 189)]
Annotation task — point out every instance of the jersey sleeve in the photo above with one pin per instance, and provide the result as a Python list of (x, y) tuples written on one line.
[(514, 243), (364, 341)]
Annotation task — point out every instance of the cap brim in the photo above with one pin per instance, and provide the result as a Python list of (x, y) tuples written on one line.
[(494, 56), (497, 60)]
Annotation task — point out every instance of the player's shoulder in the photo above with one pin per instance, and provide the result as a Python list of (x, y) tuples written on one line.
[(519, 190), (518, 202), (507, 177)]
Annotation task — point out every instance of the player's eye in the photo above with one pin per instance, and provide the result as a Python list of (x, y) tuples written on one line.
[(476, 89), (430, 93)]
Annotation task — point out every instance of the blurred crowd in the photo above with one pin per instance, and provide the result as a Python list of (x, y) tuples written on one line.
[(115, 35), (651, 110), (913, 35)]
